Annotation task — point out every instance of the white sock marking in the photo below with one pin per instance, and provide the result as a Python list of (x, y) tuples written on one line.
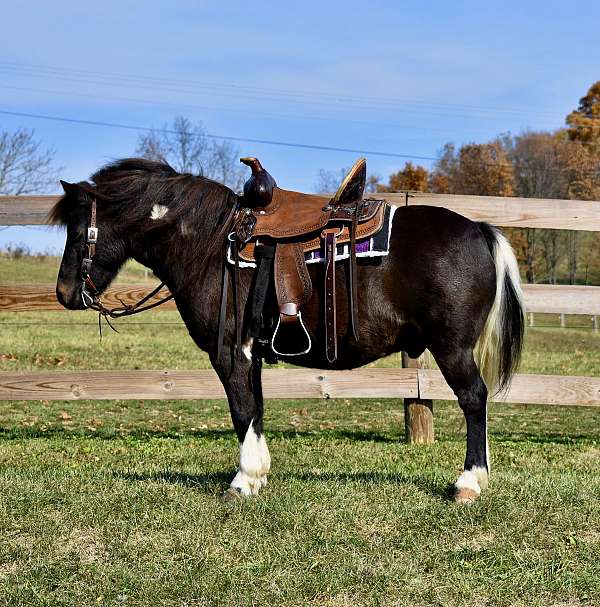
[(158, 211), (481, 474), (468, 480), (255, 463), (475, 479)]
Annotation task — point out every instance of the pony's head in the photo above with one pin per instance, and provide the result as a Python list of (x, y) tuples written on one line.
[(79, 278), (171, 222)]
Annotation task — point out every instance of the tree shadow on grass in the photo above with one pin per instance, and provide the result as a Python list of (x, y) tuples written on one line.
[(337, 433), (543, 439), (341, 434), (19, 433)]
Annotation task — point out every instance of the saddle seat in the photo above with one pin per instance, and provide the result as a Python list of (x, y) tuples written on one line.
[(284, 225)]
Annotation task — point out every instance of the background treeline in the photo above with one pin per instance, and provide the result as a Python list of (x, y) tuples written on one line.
[(560, 164)]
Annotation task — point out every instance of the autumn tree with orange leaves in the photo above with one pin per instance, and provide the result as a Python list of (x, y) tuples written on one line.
[(482, 169), (412, 177), (584, 122)]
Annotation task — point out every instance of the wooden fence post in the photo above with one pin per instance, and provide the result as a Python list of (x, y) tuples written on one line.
[(418, 412), (595, 323)]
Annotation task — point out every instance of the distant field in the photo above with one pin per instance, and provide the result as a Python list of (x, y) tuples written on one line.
[(118, 503), (44, 269)]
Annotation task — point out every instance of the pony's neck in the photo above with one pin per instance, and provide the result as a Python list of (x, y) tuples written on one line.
[(195, 281), (173, 260)]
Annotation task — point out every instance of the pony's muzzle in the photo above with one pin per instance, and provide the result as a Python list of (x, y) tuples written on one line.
[(69, 297)]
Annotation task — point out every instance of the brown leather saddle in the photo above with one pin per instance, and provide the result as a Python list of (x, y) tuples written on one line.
[(281, 226)]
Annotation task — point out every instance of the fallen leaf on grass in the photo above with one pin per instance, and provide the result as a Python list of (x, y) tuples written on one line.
[(41, 360)]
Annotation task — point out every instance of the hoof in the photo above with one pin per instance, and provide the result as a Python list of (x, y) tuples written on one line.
[(232, 495), (465, 496)]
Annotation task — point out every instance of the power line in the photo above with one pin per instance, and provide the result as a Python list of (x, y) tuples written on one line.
[(245, 110), (246, 91), (265, 141), (288, 144)]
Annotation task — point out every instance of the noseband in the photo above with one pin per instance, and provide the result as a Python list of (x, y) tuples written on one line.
[(90, 295)]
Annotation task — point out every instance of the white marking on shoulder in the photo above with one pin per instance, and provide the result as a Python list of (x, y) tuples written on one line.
[(158, 211), (255, 463), (247, 348)]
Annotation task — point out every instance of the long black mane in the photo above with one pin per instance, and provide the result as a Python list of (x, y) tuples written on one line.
[(126, 191)]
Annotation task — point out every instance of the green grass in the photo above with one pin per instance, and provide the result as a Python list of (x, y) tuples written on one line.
[(118, 502)]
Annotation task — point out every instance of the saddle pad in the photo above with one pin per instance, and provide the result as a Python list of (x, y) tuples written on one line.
[(377, 245)]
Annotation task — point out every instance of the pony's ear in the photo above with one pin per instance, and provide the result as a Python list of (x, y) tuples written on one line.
[(77, 191), (69, 188), (75, 194)]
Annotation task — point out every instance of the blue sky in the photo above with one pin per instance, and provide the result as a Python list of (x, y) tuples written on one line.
[(394, 77)]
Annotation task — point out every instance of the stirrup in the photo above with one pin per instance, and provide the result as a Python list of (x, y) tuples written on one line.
[(293, 325)]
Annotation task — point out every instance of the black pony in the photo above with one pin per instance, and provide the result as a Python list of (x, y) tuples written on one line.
[(449, 284)]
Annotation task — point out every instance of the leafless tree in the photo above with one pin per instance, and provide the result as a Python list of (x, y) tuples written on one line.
[(25, 168), (188, 149), (329, 181), (223, 164)]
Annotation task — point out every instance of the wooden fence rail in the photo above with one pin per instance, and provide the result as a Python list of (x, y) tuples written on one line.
[(507, 212), (286, 383), (512, 212), (559, 299), (278, 383)]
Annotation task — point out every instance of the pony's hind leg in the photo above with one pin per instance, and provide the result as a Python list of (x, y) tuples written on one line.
[(463, 377)]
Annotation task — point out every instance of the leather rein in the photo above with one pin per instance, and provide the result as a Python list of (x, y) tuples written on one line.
[(90, 295)]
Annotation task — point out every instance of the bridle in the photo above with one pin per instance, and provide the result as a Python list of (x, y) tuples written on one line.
[(86, 263), (90, 296)]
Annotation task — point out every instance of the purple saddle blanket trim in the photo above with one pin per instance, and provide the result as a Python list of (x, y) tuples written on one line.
[(376, 246)]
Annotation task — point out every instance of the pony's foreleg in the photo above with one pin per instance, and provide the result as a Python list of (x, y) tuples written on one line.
[(244, 393), (463, 377)]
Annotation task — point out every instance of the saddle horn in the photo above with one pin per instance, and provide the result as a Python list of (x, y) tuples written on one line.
[(258, 190)]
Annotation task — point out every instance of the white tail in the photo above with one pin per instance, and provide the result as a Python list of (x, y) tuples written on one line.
[(498, 348)]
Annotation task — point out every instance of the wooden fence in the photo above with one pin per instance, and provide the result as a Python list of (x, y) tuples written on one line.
[(418, 386)]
